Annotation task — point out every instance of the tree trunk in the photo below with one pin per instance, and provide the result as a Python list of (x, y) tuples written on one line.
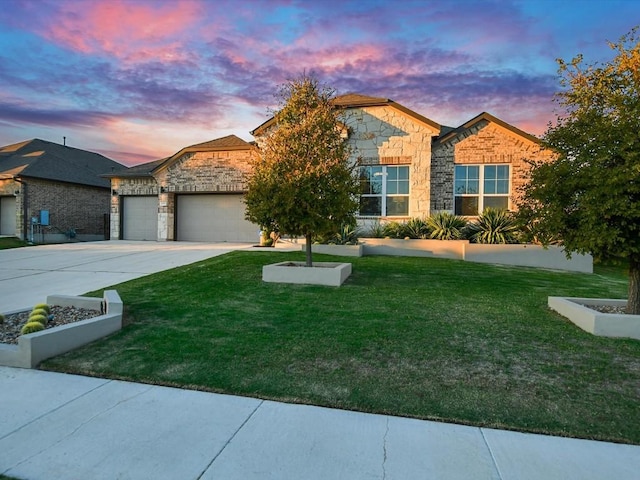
[(308, 250), (633, 303)]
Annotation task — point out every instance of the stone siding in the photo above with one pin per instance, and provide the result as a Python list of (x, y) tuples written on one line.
[(387, 136), (209, 172), (484, 143)]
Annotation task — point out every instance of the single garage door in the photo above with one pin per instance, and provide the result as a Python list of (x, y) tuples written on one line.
[(7, 215), (213, 218), (140, 218)]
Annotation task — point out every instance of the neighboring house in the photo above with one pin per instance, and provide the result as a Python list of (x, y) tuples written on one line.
[(52, 193), (409, 166), (194, 195)]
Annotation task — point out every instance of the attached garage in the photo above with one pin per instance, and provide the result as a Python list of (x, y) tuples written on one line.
[(7, 215), (139, 217), (213, 218)]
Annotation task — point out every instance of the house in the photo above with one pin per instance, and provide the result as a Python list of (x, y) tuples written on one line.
[(409, 166), (52, 193), (194, 195)]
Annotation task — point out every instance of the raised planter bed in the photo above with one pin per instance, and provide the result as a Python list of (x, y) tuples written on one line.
[(578, 311), (321, 273), (414, 247), (525, 255), (338, 250), (36, 347)]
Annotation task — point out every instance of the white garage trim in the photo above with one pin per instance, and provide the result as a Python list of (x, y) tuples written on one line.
[(213, 218), (8, 216), (139, 218)]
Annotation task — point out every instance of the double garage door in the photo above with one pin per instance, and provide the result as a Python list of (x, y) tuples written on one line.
[(199, 218), (213, 218)]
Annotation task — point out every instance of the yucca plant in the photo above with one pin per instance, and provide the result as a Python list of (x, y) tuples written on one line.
[(348, 235), (446, 226), (394, 229), (375, 230), (494, 226), (417, 228)]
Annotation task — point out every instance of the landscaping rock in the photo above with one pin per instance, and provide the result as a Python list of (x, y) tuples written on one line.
[(10, 329)]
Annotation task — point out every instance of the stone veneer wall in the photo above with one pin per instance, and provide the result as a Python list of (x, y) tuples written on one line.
[(484, 143), (80, 207), (385, 135), (209, 172)]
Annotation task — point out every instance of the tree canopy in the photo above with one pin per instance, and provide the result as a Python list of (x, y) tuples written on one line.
[(303, 182), (588, 199)]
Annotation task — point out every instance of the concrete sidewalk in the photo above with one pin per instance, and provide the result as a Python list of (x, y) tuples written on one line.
[(67, 427)]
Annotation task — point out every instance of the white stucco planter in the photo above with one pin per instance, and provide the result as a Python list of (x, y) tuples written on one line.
[(414, 247), (321, 273), (527, 255), (338, 250), (602, 324), (36, 347), (524, 255)]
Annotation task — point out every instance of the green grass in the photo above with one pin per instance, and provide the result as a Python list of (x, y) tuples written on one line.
[(11, 242), (420, 337)]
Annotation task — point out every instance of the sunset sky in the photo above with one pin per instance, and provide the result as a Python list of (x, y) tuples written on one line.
[(138, 80)]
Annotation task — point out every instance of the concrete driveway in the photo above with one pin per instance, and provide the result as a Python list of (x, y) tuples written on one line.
[(29, 274)]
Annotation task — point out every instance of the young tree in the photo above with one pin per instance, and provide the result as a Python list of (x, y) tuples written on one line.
[(589, 198), (303, 182)]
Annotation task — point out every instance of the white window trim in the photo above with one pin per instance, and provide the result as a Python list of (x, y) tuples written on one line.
[(384, 195), (481, 193)]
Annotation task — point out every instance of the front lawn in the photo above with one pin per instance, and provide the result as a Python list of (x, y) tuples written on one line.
[(11, 242), (421, 337)]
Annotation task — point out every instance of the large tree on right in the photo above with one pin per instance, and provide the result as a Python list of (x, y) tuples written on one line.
[(588, 200)]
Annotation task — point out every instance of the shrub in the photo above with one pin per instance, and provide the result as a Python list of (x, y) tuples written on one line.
[(43, 306), (494, 226), (416, 228), (1, 319), (394, 229), (32, 327), (348, 235), (446, 226), (376, 230), (38, 318)]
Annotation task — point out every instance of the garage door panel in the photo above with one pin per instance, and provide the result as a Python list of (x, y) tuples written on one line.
[(7, 215), (139, 218), (213, 218)]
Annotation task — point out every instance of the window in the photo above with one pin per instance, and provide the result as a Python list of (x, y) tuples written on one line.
[(477, 187), (384, 191)]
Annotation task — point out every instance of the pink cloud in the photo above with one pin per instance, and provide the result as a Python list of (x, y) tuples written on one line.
[(130, 31)]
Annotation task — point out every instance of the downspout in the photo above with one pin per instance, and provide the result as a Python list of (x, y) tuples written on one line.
[(25, 216)]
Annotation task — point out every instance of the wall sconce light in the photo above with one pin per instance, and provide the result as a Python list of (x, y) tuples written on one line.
[(114, 193), (163, 189), (16, 193)]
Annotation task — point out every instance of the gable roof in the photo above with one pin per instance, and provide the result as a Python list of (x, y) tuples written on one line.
[(51, 161), (356, 100), (223, 144), (484, 116)]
